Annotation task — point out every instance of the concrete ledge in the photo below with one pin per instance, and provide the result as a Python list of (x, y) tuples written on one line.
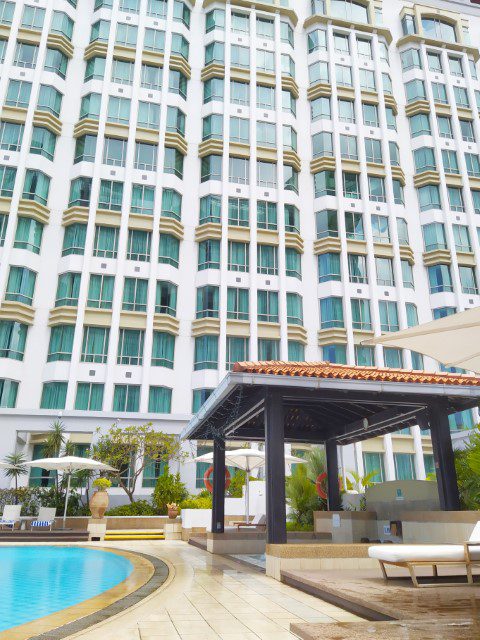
[(236, 542), (318, 550)]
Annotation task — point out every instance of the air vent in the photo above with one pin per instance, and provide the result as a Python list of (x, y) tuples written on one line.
[(144, 177), (128, 374), (120, 90), (266, 194), (386, 294), (103, 265), (238, 190), (113, 173), (267, 282), (378, 208), (91, 372), (6, 157), (238, 280), (359, 291), (137, 269)]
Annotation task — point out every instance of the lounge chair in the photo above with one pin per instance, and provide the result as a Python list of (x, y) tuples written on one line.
[(10, 516), (410, 556), (45, 518), (259, 521)]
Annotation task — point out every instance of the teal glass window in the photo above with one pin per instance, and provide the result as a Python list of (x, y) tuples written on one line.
[(468, 280), (68, 289), (429, 463), (153, 470), (206, 353), (177, 83), (434, 236), (126, 397), (54, 395), (238, 256), (239, 93), (412, 314), (407, 274), (169, 250), (318, 72), (100, 31), (61, 343), (157, 8), (62, 24), (404, 466), (11, 136), (43, 142), (200, 396), (95, 344), (176, 120), (8, 393), (6, 12), (208, 254), (373, 464), (139, 245), (159, 400), (322, 144), (351, 185), (213, 90), (335, 353), (7, 181), (268, 349), (267, 259), (3, 228), (146, 157), (36, 186), (207, 302), (236, 351), (265, 97), (324, 182), (171, 204), (28, 235), (40, 477), (57, 62), (135, 294), (13, 336), (420, 125), (415, 90), (166, 298), (130, 346), (85, 148), (296, 351), (18, 94), (151, 77), (292, 218), (80, 191), (181, 13), (461, 420), (143, 198), (122, 72), (439, 278), (417, 361), (321, 109), (294, 309), (215, 53), (154, 40), (173, 162), (267, 306), (212, 127), (21, 285), (215, 19), (105, 244), (267, 215), (392, 358), (388, 315), (163, 349), (364, 356), (95, 69), (100, 292), (357, 268), (329, 267), (89, 396), (326, 224), (127, 35), (210, 209), (384, 269), (293, 263), (111, 195), (25, 55), (331, 312), (237, 304), (114, 152), (238, 212), (361, 316), (118, 110)]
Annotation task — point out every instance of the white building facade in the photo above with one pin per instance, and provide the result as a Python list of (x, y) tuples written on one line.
[(185, 185)]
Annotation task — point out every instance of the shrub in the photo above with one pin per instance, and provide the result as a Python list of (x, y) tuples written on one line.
[(139, 508), (197, 502), (169, 488), (296, 526), (102, 484), (301, 496)]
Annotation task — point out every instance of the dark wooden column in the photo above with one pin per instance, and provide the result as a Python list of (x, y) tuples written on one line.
[(444, 459), (275, 468), (218, 510), (333, 490)]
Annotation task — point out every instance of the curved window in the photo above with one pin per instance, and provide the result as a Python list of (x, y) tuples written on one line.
[(438, 29), (349, 10)]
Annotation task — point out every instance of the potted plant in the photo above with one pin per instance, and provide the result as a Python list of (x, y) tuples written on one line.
[(99, 501), (173, 510)]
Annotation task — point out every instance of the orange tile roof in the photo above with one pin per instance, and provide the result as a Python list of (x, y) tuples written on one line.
[(347, 372)]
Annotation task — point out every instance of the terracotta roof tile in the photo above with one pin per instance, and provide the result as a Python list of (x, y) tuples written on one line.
[(347, 372)]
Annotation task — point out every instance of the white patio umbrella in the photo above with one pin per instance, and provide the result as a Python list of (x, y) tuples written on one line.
[(453, 340), (248, 460), (5, 465), (68, 465)]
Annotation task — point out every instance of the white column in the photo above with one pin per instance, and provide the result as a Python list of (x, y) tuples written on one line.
[(389, 461), (419, 462)]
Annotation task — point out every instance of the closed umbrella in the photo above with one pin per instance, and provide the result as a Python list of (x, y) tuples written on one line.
[(453, 340), (68, 465), (248, 460)]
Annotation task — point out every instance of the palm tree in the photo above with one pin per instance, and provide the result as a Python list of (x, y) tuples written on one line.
[(18, 469), (316, 463), (55, 439)]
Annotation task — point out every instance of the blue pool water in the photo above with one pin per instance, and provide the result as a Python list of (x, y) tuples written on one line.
[(37, 581)]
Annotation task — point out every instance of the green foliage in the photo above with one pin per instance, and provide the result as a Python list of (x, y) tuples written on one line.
[(197, 502), (468, 472), (301, 496), (169, 488), (316, 462), (55, 440), (239, 478), (359, 483), (295, 526), (137, 508), (102, 484), (17, 459)]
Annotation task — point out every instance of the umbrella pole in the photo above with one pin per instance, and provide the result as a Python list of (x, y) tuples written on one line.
[(66, 501), (247, 495)]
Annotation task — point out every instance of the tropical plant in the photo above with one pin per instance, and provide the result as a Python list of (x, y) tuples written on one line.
[(131, 449), (137, 508), (301, 496), (197, 502), (467, 466), (359, 483), (316, 462), (169, 488), (55, 440), (235, 490), (102, 484), (18, 469)]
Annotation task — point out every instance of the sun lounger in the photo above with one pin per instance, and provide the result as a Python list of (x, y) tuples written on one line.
[(10, 516), (410, 556), (46, 518), (259, 521)]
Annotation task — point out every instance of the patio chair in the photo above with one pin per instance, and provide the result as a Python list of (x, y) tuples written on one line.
[(10, 516), (45, 518), (410, 556), (259, 521)]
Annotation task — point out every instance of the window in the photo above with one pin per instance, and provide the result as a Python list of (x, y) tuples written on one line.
[(462, 238), (266, 215), (394, 154), (135, 294), (159, 401), (293, 263), (236, 351), (376, 189), (318, 72), (367, 80), (163, 349), (388, 315), (384, 268), (180, 46), (239, 93), (466, 127), (157, 8), (373, 464), (85, 148), (13, 336), (364, 356), (239, 169), (290, 178), (206, 353), (354, 226), (151, 77), (209, 255), (210, 209), (429, 197), (7, 181), (11, 135), (265, 97), (131, 6), (340, 43), (238, 212), (351, 185), (28, 235), (420, 125), (267, 306), (169, 250), (237, 304), (267, 259), (455, 65), (240, 56), (296, 351), (415, 90), (207, 302), (181, 13), (154, 40), (146, 158), (106, 242), (43, 142), (351, 10), (324, 183), (265, 61), (292, 218), (266, 134), (111, 195), (213, 90), (215, 52), (175, 119), (126, 398), (434, 62), (286, 33), (329, 267), (461, 97), (439, 278), (322, 144), (20, 285), (450, 162), (173, 159), (439, 30), (239, 130), (326, 224), (95, 344), (100, 291), (6, 13), (238, 256), (268, 349), (211, 168), (412, 314), (122, 72), (266, 174), (444, 124), (468, 280), (18, 94), (410, 59), (331, 313), (50, 100), (57, 62), (348, 147), (143, 198), (434, 236), (215, 19), (166, 298), (335, 353), (74, 239), (114, 152), (357, 268), (346, 111), (89, 396), (118, 110), (407, 274), (370, 115), (461, 420), (139, 245), (294, 309), (95, 69), (68, 289), (373, 150), (404, 466), (455, 198), (171, 204), (25, 55), (320, 109), (343, 75), (473, 164), (361, 317), (54, 395), (265, 28), (317, 40), (130, 346), (200, 396), (61, 343), (36, 186)]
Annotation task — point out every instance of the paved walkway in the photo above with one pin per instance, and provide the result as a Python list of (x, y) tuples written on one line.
[(213, 598)]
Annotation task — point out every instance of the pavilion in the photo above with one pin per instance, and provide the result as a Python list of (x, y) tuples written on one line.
[(329, 404)]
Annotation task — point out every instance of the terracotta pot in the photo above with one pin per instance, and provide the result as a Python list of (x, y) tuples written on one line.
[(98, 504), (172, 513)]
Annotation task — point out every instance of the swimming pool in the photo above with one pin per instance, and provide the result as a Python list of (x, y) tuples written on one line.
[(36, 581)]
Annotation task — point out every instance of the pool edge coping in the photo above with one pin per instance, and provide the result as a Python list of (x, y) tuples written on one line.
[(148, 576)]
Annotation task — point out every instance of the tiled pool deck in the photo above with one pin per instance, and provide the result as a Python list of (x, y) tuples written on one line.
[(213, 598)]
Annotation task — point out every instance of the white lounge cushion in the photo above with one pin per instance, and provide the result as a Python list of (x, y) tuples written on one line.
[(422, 552)]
